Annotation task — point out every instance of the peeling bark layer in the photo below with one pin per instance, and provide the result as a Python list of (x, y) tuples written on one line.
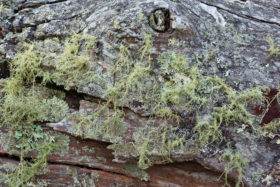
[(88, 163)]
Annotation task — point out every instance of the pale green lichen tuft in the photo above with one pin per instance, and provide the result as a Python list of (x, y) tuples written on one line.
[(234, 162), (1, 7), (25, 101), (134, 170), (274, 49)]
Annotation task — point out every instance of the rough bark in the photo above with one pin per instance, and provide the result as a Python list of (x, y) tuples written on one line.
[(229, 38)]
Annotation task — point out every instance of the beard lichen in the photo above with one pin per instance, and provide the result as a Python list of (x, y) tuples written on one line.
[(25, 101), (72, 68), (101, 122), (26, 170), (271, 130), (234, 162), (172, 87), (274, 48)]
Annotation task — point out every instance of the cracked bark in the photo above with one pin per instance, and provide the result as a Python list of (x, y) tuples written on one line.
[(245, 16), (97, 159), (37, 4), (55, 176), (235, 30)]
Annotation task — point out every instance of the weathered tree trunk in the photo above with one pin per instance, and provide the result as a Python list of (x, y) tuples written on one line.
[(233, 41)]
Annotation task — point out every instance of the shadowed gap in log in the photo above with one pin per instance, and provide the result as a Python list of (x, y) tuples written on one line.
[(4, 70), (272, 108)]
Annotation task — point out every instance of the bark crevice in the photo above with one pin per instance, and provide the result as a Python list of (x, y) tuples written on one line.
[(241, 15)]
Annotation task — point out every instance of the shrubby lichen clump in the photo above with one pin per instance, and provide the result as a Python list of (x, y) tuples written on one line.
[(178, 90), (26, 101), (234, 161), (183, 88)]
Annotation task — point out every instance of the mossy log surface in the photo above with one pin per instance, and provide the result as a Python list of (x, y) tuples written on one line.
[(140, 93)]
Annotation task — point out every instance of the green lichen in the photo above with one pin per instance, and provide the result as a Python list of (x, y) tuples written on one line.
[(141, 16), (27, 170), (178, 85), (102, 123), (235, 162), (184, 88), (63, 141), (105, 120), (31, 107), (116, 24), (146, 48), (1, 7), (134, 170), (173, 42), (271, 130), (87, 149), (161, 141), (25, 102), (38, 183), (72, 66), (102, 159), (233, 112), (152, 144), (130, 75), (185, 85), (274, 49), (83, 179)]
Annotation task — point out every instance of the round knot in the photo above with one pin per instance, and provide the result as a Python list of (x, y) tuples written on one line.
[(160, 20)]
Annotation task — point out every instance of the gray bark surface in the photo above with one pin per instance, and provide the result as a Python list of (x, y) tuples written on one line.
[(235, 31)]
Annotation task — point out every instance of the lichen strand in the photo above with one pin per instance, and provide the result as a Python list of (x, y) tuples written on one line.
[(83, 179), (72, 66), (1, 7), (271, 130), (134, 81), (235, 112), (153, 144), (234, 162), (26, 170), (101, 123), (30, 106), (134, 170), (159, 141), (274, 48)]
